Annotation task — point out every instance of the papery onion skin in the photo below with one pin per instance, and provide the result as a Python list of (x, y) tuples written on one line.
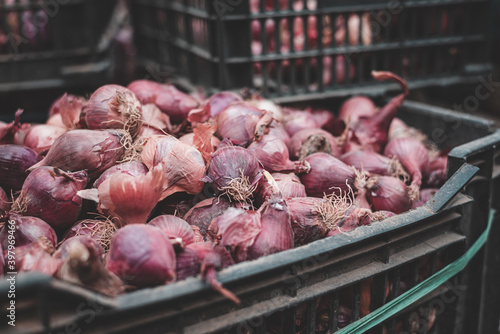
[(100, 230), (212, 107), (27, 230), (174, 228), (389, 194), (59, 105), (328, 175), (133, 168), (273, 154), (154, 121), (141, 255), (203, 212), (307, 222), (288, 184), (41, 137), (90, 150), (113, 107), (237, 122), (234, 163), (51, 194), (14, 161), (188, 139), (309, 141)]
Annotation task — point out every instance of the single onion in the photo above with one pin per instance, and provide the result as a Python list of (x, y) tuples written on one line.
[(288, 184), (296, 120), (90, 150), (413, 156), (371, 133), (175, 103), (69, 107), (51, 194), (183, 165), (311, 218), (375, 163), (154, 121), (350, 220), (329, 175), (36, 256), (235, 172), (128, 198), (41, 137), (203, 212), (176, 229), (388, 193), (113, 107), (14, 161), (202, 258), (133, 168), (212, 107), (100, 230), (145, 90), (4, 202), (269, 106), (81, 262), (238, 121), (355, 107), (26, 230), (141, 255), (273, 155), (309, 141)]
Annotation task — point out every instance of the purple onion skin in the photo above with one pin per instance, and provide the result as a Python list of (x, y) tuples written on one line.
[(14, 161), (205, 211), (237, 122), (27, 230), (134, 168), (50, 194), (90, 150), (142, 255), (389, 194), (328, 174), (174, 227), (63, 249), (288, 184), (219, 101), (306, 221)]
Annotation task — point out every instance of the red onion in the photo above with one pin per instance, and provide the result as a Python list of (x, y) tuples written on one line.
[(27, 230), (350, 220), (329, 175), (273, 155), (375, 217), (175, 103), (212, 107), (41, 137), (176, 229), (70, 108), (327, 121), (36, 256), (375, 163), (202, 258), (268, 106), (388, 193), (203, 212), (81, 263), (183, 164), (198, 237), (90, 150), (14, 132), (189, 137), (14, 161), (276, 234), (128, 198), (100, 230), (4, 202), (114, 107), (355, 107), (133, 168), (425, 196), (296, 120), (311, 218), (51, 194), (309, 141), (237, 122), (145, 90), (154, 121), (413, 156), (288, 184), (236, 172), (399, 129), (141, 255), (372, 132), (435, 175), (55, 120), (277, 130)]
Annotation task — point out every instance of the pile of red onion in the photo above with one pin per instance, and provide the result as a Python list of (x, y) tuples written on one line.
[(146, 185)]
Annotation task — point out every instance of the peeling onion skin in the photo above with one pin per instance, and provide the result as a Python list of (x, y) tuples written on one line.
[(133, 168), (202, 213), (142, 256)]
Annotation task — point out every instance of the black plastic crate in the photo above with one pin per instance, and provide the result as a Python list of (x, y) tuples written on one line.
[(280, 292), (224, 44), (51, 44)]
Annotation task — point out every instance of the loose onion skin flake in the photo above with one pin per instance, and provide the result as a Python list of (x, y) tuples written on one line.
[(142, 256)]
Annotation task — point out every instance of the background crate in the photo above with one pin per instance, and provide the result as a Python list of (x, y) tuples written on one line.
[(47, 44), (208, 42), (303, 288)]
